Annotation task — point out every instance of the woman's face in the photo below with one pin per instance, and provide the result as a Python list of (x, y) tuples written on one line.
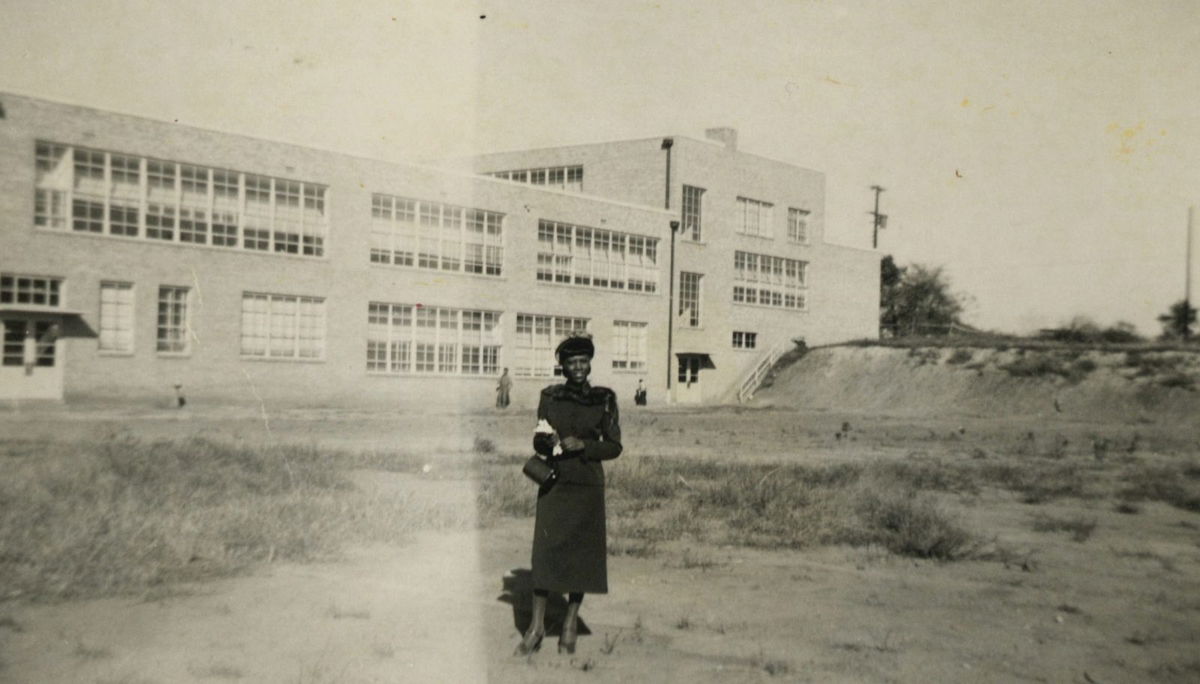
[(577, 368)]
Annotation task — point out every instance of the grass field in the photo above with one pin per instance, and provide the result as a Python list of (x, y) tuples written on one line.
[(767, 543)]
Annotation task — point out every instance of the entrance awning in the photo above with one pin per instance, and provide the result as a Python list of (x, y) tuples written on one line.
[(704, 357), (71, 320), (38, 309)]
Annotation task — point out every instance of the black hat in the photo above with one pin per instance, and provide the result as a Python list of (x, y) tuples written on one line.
[(575, 346)]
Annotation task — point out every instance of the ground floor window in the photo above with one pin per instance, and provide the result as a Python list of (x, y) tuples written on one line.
[(629, 345), (412, 338), (744, 340), (537, 336), (283, 326), (116, 317), (172, 330)]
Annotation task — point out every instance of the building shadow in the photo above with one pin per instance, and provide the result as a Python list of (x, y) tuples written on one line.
[(518, 592)]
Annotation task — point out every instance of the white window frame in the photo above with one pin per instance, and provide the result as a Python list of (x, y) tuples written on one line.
[(755, 217), (743, 339), (290, 327), (599, 258), (174, 336), (395, 333), (417, 233), (690, 294), (692, 212), (117, 317), (80, 190), (798, 225), (767, 280), (629, 345)]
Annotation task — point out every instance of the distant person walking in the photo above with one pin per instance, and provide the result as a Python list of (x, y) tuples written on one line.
[(578, 429), (503, 388), (639, 394)]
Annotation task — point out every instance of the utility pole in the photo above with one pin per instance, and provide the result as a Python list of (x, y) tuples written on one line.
[(880, 219), (667, 144), (1187, 278)]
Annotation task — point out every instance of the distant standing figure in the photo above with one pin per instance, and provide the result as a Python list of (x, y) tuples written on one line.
[(639, 394), (503, 388), (180, 400)]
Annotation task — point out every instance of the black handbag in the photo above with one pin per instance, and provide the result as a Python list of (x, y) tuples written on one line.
[(539, 470)]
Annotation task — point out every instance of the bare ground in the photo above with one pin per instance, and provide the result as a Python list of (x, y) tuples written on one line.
[(1123, 605)]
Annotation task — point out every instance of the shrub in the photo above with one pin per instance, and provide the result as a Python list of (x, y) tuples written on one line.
[(960, 356)]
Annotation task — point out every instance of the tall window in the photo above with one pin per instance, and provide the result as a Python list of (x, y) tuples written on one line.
[(107, 193), (629, 345), (692, 204), (425, 234), (769, 280), (410, 338), (595, 257), (798, 225), (754, 217), (172, 332), (282, 326), (744, 340), (537, 336), (116, 317), (569, 178), (689, 297)]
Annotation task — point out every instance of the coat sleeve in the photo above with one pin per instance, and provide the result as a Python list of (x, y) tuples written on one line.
[(543, 443), (608, 446)]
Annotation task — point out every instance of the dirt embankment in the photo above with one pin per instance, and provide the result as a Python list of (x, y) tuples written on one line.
[(1071, 383)]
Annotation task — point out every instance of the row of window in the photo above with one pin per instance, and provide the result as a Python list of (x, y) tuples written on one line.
[(107, 193), (753, 217), (569, 178), (401, 338), (770, 280), (595, 257), (434, 235)]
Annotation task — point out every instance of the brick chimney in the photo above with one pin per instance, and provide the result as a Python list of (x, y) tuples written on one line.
[(725, 135)]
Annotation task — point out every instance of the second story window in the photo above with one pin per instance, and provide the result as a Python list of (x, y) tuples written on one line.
[(689, 298), (798, 225), (693, 201), (754, 217), (433, 235)]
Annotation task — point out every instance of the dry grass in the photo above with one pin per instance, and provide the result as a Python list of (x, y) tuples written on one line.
[(123, 516)]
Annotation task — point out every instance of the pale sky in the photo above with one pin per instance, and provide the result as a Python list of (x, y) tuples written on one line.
[(1045, 153)]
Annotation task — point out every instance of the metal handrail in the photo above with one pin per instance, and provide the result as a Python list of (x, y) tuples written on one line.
[(751, 383)]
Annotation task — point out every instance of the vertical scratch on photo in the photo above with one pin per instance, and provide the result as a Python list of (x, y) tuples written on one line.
[(262, 409), (191, 329)]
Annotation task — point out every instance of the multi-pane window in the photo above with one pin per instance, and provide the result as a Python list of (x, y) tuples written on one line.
[(569, 178), (629, 345), (28, 289), (693, 200), (798, 225), (433, 235), (537, 336), (116, 317), (744, 340), (754, 217), (411, 338), (282, 326), (53, 181), (18, 332), (594, 257), (172, 329), (769, 280), (93, 191), (689, 298)]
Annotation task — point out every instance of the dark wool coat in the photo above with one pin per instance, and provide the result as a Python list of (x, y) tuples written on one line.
[(569, 551)]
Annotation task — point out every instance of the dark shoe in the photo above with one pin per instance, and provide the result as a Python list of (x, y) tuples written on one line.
[(529, 644)]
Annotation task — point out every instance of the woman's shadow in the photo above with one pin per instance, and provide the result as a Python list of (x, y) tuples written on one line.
[(518, 592)]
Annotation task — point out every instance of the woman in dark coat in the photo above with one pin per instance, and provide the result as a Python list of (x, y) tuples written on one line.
[(578, 428)]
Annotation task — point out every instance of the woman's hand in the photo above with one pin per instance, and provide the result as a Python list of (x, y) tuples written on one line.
[(572, 444)]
